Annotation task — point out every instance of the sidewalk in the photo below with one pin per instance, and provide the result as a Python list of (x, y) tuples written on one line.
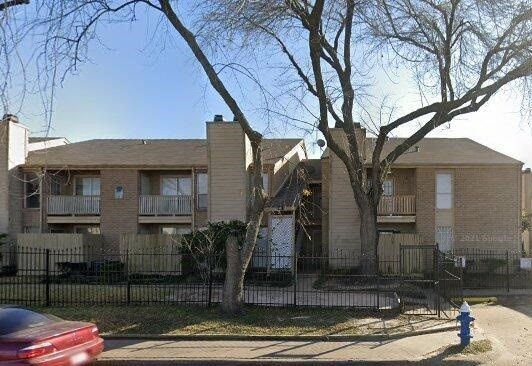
[(418, 350)]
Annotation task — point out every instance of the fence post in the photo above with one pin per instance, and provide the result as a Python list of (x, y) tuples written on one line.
[(295, 277), (437, 279), (378, 282), (128, 289), (47, 279), (209, 300), (507, 271)]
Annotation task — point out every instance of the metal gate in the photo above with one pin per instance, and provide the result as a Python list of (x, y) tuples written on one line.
[(418, 290), (431, 281), (449, 284)]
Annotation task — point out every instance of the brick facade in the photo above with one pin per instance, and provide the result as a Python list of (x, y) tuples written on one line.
[(118, 215)]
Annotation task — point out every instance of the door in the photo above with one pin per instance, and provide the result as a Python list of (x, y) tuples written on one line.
[(444, 238), (282, 237)]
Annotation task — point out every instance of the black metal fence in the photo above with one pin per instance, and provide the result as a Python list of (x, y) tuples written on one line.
[(57, 277), (419, 280), (493, 269)]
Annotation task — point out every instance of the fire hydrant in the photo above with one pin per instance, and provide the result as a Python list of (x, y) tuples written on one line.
[(465, 320)]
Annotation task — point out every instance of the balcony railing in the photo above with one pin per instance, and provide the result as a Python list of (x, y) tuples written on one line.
[(165, 205), (73, 205), (397, 205)]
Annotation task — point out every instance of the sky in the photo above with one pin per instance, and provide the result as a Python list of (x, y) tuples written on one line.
[(129, 90)]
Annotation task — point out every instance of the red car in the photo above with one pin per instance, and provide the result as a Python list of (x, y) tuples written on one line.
[(30, 338)]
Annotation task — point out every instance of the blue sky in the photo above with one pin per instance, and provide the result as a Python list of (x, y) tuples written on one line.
[(133, 91)]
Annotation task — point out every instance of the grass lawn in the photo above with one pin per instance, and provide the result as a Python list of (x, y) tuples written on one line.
[(189, 320)]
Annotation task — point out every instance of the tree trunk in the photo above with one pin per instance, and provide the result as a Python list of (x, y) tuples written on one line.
[(233, 294), (369, 237)]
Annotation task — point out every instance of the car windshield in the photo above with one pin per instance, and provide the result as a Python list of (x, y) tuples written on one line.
[(16, 319)]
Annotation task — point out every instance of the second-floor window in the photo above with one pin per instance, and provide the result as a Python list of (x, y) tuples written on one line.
[(202, 190), (444, 191), (387, 187), (32, 192), (55, 187), (87, 186), (176, 186)]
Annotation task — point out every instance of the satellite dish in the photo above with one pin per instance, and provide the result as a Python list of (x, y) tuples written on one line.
[(320, 143)]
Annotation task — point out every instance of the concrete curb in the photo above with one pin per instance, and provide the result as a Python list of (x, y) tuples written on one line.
[(244, 337)]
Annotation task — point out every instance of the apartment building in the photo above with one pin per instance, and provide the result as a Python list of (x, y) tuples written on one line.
[(452, 191)]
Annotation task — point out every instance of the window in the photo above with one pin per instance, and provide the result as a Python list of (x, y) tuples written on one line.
[(266, 182), (175, 230), (57, 231), (87, 186), (202, 187), (55, 187), (444, 191), (32, 192), (87, 230), (387, 187), (175, 186), (444, 238)]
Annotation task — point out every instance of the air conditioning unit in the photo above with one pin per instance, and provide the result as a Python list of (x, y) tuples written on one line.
[(526, 263)]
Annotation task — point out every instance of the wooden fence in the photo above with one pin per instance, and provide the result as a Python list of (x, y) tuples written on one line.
[(63, 248), (389, 251), (151, 254)]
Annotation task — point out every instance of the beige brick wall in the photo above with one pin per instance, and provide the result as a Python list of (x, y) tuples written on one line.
[(344, 218), (425, 204), (487, 206), (13, 150), (118, 215), (228, 175)]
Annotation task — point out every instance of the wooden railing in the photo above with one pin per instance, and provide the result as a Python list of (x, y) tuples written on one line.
[(73, 205), (165, 205), (397, 205)]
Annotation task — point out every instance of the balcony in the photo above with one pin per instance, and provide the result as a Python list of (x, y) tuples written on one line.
[(157, 205), (397, 209), (73, 209), (73, 205)]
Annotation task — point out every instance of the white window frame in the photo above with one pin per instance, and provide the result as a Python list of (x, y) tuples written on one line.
[(27, 180), (92, 178), (57, 184), (178, 229), (202, 192), (392, 186), (445, 238), (177, 178), (444, 195)]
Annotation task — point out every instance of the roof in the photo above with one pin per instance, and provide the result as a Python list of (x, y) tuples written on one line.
[(442, 151), (33, 140), (137, 152), (290, 194)]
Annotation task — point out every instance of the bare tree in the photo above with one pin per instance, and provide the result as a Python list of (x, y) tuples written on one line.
[(460, 53), (70, 26)]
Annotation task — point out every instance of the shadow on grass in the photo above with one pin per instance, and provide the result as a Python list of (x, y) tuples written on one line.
[(202, 320)]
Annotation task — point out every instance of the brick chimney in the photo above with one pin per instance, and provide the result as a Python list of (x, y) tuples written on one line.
[(14, 142), (229, 157)]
